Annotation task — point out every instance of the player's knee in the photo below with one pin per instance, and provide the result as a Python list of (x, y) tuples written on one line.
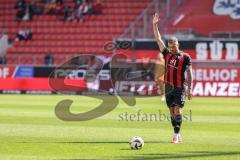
[(177, 110), (172, 112)]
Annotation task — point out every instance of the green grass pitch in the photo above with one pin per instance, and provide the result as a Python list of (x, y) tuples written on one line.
[(29, 129)]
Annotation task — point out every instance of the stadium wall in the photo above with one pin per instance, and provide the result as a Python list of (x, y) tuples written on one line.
[(208, 81)]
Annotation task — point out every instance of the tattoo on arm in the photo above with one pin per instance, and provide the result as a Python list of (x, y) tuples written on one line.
[(190, 76)]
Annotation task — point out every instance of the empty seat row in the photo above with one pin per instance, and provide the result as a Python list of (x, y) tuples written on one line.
[(60, 50), (74, 36), (55, 43)]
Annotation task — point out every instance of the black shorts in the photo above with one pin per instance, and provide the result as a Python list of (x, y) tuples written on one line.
[(174, 96)]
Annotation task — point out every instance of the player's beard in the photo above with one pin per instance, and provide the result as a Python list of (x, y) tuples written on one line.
[(173, 51)]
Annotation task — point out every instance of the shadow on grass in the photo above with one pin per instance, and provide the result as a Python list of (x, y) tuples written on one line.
[(185, 155), (200, 154), (91, 142)]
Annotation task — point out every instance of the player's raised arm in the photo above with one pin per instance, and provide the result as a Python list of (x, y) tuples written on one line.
[(157, 33), (190, 81)]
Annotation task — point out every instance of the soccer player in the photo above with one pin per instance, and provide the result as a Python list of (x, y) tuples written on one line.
[(176, 63)]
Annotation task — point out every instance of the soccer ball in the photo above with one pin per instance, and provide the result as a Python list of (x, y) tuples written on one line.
[(136, 142)]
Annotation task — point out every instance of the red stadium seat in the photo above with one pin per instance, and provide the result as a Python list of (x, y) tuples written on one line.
[(64, 38)]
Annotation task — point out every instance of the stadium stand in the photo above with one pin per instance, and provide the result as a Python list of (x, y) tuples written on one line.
[(51, 35), (64, 39)]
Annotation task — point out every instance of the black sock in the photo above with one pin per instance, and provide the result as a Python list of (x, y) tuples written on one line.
[(178, 122), (173, 121)]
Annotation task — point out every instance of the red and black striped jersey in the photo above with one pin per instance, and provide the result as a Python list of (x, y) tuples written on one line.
[(175, 67)]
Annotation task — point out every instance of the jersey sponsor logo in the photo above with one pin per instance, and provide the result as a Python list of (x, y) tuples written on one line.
[(173, 62), (227, 7)]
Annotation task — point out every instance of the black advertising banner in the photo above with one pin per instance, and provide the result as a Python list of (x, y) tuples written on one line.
[(201, 50)]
